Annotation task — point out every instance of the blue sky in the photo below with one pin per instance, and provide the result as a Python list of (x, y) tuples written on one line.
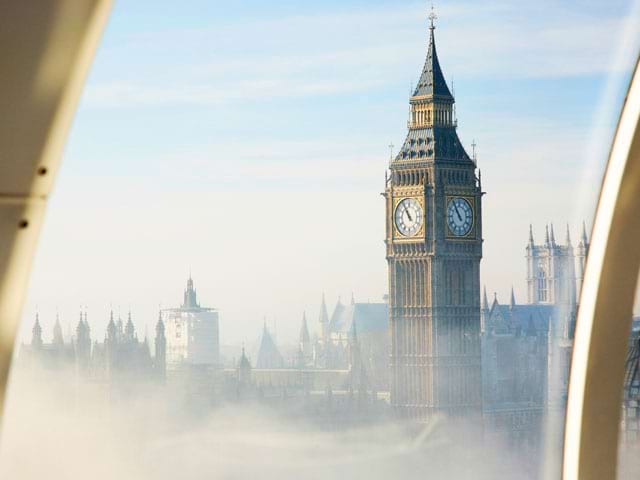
[(235, 138)]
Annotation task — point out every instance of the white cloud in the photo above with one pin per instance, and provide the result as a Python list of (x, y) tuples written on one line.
[(357, 50)]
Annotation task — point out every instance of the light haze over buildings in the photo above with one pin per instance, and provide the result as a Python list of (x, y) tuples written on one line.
[(246, 142)]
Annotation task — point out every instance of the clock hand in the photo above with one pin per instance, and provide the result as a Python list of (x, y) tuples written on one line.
[(409, 215), (456, 209)]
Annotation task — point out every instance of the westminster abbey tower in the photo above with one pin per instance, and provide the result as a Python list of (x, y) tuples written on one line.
[(434, 247)]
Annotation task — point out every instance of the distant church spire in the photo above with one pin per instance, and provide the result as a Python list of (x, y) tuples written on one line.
[(57, 332), (160, 359), (190, 297), (324, 319), (304, 330), (512, 302), (583, 237), (531, 241), (129, 330), (568, 239), (546, 235), (111, 329), (485, 301), (553, 237), (36, 334)]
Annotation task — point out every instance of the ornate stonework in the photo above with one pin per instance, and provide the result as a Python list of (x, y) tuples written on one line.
[(434, 247)]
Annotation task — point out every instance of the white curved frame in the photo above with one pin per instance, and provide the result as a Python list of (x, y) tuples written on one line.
[(46, 48), (606, 307)]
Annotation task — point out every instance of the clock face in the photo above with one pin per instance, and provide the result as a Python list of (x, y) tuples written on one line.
[(408, 217), (459, 216)]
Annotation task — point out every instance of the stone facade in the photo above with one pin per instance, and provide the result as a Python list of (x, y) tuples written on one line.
[(526, 348), (434, 247)]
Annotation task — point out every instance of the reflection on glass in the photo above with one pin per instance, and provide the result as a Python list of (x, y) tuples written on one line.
[(248, 148)]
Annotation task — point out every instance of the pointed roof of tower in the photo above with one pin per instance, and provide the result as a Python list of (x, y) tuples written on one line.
[(324, 315), (531, 241), (111, 328), (244, 363), (432, 82), (485, 301), (160, 325), (546, 234), (512, 301), (583, 238), (304, 330), (568, 238), (552, 235), (81, 327), (129, 329), (190, 295), (57, 332), (120, 324), (36, 337), (426, 141), (268, 355)]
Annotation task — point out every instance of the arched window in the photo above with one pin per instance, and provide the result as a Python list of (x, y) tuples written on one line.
[(542, 286)]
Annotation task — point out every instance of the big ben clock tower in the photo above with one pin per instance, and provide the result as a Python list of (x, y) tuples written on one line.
[(434, 246)]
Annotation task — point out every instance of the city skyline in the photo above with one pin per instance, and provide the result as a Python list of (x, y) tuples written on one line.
[(340, 102)]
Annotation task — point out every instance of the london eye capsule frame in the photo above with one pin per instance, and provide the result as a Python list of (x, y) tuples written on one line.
[(45, 62)]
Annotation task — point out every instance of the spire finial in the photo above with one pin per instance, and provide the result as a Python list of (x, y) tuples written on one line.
[(391, 145), (531, 234), (568, 240), (485, 302), (432, 17), (473, 151), (546, 235)]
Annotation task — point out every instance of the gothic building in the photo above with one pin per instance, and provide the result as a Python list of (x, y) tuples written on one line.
[(331, 349), (526, 348), (121, 358), (433, 249)]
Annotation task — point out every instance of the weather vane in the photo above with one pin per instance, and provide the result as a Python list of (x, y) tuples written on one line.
[(432, 17)]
